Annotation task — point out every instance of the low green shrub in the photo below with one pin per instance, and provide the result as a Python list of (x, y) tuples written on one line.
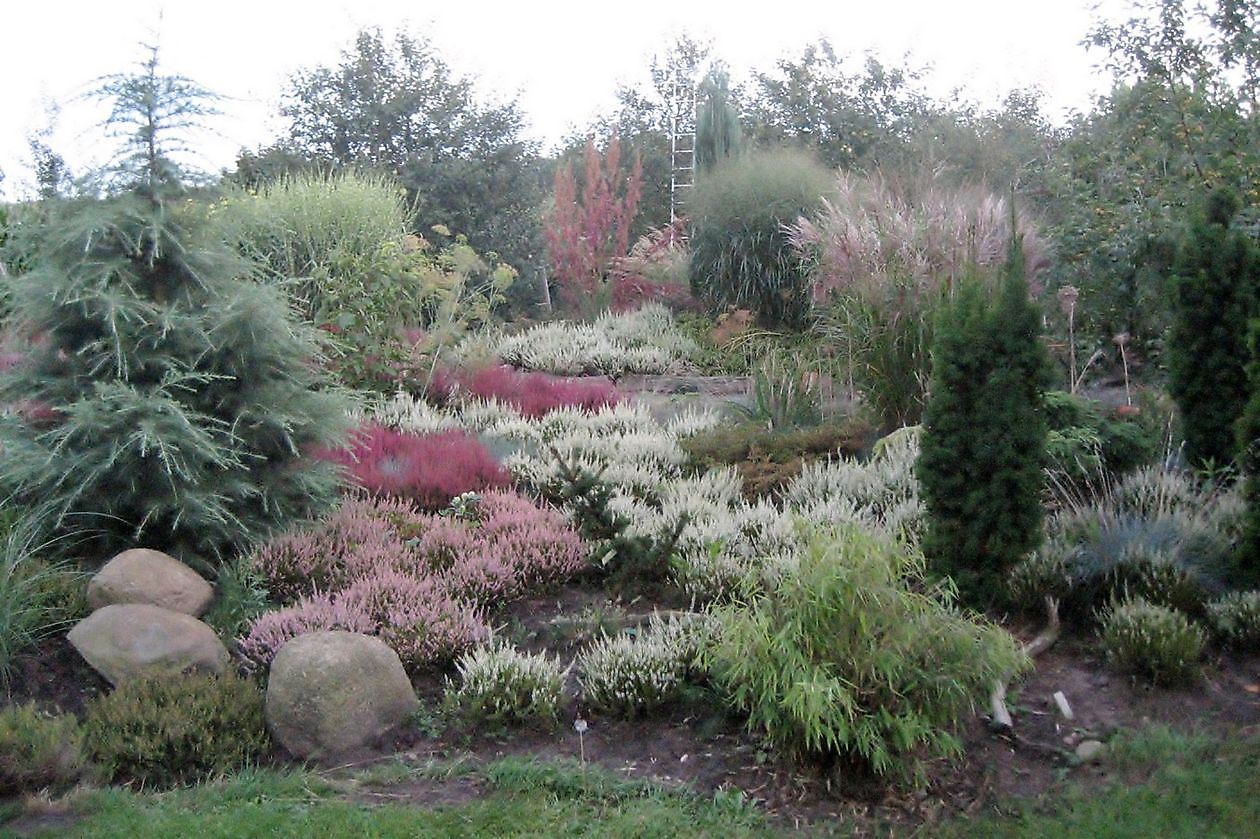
[(1153, 642), (176, 729), (1235, 618), (1086, 441), (631, 674), (501, 684), (240, 596), (768, 460), (38, 751), (37, 598), (857, 657)]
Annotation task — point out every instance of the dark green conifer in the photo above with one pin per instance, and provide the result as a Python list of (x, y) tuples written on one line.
[(984, 433), (1215, 273), (180, 397)]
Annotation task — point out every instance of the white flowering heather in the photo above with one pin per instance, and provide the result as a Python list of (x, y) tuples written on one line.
[(500, 683), (693, 421), (629, 674), (404, 412), (644, 341), (1236, 619), (1154, 642), (881, 494)]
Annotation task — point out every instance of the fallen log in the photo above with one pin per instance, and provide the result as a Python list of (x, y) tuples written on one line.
[(1000, 719)]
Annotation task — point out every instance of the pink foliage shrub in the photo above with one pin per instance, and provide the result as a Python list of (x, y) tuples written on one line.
[(417, 580), (429, 469)]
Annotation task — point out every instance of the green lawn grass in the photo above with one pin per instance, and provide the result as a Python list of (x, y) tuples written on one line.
[(1188, 786)]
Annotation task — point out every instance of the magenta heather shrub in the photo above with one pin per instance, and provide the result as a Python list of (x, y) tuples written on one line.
[(429, 469), (272, 630), (417, 580), (360, 539), (537, 542)]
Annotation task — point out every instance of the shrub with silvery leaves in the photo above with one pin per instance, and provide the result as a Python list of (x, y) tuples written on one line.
[(630, 674), (499, 683)]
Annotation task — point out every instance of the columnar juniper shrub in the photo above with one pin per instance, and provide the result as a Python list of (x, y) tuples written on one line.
[(428, 469), (857, 657), (1154, 642), (1215, 276), (984, 434), (176, 729)]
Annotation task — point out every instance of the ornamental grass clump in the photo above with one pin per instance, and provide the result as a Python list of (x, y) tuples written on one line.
[(856, 657), (1235, 618), (1153, 642), (498, 683)]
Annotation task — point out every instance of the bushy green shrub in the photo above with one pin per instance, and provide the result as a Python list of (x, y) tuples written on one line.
[(38, 751), (984, 434), (855, 656), (1215, 276), (1235, 618), (176, 729), (740, 251), (181, 394), (1153, 642), (501, 684), (631, 674), (1086, 443)]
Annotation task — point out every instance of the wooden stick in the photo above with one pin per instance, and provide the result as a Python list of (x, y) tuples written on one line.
[(1001, 720)]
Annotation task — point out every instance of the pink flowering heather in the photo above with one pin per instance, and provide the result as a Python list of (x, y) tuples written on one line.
[(416, 580), (429, 469), (272, 630), (418, 618), (538, 543), (361, 538)]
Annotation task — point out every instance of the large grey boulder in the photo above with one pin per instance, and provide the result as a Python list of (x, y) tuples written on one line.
[(127, 640), (333, 693), (141, 575)]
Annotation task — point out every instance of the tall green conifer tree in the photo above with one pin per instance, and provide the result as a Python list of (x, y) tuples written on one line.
[(1215, 277), (179, 397), (984, 433)]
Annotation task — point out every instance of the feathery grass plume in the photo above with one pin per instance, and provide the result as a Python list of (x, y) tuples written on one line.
[(882, 255)]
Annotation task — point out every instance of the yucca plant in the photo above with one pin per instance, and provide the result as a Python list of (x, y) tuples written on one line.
[(785, 394)]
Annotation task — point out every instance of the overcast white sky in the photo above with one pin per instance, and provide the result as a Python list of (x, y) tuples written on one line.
[(564, 59)]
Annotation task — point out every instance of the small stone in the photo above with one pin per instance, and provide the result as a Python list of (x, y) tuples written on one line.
[(1090, 751)]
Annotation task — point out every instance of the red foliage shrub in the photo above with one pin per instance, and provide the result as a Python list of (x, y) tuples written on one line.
[(531, 394), (429, 469)]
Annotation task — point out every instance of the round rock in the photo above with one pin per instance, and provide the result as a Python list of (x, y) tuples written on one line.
[(145, 576), (333, 693), (127, 640), (1090, 751)]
